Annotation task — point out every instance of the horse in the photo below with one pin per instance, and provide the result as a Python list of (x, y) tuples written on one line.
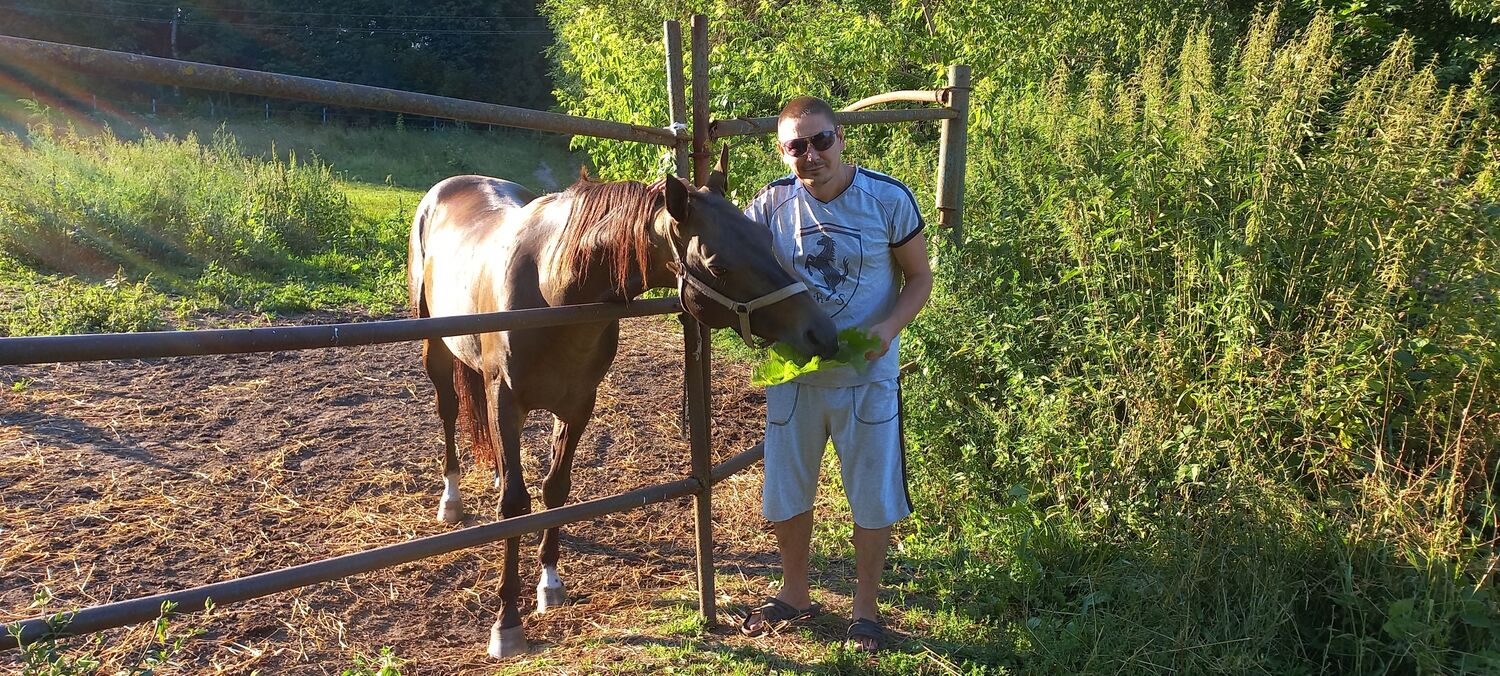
[(481, 244)]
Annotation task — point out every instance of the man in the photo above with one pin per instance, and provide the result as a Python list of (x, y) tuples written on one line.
[(852, 235)]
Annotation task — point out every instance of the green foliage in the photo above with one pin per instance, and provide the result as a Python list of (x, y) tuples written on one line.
[(54, 306), (47, 656), (783, 363), (1197, 290), (243, 221), (386, 664), (611, 62)]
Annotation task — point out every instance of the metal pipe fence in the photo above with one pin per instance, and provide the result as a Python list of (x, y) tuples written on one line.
[(102, 346), (697, 353)]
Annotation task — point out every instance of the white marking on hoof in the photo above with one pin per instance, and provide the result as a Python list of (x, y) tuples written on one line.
[(451, 512), (451, 509), (507, 642), (550, 592)]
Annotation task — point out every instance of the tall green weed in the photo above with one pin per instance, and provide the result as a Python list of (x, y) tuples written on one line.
[(1227, 305)]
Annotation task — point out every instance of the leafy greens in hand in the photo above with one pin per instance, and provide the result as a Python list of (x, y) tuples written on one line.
[(783, 362)]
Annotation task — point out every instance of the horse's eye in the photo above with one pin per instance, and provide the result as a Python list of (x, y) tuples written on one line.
[(711, 263)]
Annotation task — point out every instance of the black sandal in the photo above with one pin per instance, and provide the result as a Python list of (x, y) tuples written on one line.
[(775, 615), (866, 628)]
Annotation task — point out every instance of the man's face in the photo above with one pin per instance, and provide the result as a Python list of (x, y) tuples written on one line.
[(798, 140)]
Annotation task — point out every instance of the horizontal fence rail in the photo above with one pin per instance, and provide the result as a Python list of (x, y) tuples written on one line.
[(746, 126), (147, 608), (905, 95), (100, 346), (126, 66)]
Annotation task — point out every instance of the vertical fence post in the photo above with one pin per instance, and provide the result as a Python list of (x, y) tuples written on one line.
[(676, 92), (701, 140), (698, 365), (953, 157)]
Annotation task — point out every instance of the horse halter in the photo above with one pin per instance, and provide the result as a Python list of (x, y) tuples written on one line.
[(685, 278)]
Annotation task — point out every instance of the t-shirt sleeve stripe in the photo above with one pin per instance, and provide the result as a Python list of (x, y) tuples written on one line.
[(900, 222), (920, 227)]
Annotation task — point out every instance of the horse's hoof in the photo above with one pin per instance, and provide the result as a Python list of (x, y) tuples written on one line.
[(451, 511), (548, 598), (507, 642)]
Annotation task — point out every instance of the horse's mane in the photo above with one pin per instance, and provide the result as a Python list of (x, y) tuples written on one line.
[(609, 224)]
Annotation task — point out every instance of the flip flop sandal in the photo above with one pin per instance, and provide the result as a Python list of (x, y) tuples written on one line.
[(775, 615), (866, 628)]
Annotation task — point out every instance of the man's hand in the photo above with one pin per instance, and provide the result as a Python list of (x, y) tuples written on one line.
[(886, 333)]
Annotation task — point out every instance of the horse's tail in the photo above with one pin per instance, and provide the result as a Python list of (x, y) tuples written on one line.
[(416, 256), (473, 412)]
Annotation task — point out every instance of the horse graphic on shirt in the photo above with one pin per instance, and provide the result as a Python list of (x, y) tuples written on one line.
[(823, 264)]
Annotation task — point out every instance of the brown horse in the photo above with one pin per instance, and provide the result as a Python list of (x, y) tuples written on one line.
[(482, 244)]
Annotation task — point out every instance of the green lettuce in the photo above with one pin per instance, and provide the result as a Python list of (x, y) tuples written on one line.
[(783, 362)]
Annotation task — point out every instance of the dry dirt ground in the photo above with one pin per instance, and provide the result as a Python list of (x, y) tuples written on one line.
[(128, 478)]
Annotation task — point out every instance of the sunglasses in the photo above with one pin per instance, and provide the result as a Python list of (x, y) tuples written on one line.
[(820, 141)]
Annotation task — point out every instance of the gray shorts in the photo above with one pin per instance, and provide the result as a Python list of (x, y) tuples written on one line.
[(864, 423)]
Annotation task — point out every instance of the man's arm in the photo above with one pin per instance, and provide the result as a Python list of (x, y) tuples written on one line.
[(911, 257)]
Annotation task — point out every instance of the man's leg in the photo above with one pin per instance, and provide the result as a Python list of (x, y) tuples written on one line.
[(870, 546), (871, 461), (796, 434), (794, 538)]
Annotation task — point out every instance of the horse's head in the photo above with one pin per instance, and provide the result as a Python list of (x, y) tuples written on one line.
[(732, 278)]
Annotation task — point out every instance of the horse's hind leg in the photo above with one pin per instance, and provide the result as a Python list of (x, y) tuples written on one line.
[(550, 592), (508, 637), (440, 369)]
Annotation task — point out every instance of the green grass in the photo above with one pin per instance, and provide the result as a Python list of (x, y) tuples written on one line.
[(142, 230)]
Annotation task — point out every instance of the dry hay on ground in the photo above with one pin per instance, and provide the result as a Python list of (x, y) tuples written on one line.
[(123, 479)]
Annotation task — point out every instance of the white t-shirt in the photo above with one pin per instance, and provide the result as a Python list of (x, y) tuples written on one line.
[(842, 250)]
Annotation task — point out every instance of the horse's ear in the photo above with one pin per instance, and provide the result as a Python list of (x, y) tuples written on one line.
[(677, 199), (718, 179)]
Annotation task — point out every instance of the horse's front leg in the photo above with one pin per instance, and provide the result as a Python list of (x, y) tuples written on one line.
[(550, 592), (507, 636)]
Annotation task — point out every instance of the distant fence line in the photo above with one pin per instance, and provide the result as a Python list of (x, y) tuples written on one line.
[(103, 108)]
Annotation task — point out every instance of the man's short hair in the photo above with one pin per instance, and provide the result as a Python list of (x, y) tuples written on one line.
[(803, 106)]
